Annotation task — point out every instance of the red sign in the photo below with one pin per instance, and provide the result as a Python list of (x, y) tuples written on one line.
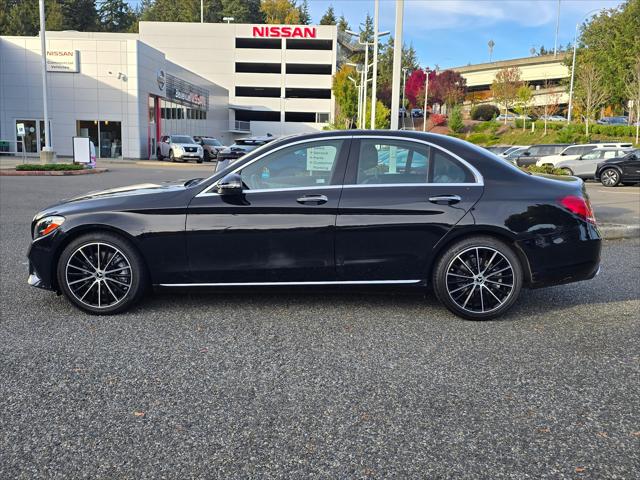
[(285, 32)]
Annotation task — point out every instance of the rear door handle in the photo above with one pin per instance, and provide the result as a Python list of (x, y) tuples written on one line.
[(313, 199), (445, 199)]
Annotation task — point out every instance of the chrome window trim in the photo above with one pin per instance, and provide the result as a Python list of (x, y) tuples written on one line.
[(477, 175), (256, 284), (287, 189), (207, 191)]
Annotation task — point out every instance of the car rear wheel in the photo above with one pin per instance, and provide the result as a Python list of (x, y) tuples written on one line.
[(610, 177), (478, 278), (567, 171), (159, 154), (101, 273)]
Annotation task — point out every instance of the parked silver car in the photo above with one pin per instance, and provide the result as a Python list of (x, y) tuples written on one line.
[(179, 148), (585, 165)]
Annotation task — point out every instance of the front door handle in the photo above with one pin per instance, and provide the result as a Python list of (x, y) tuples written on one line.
[(445, 199), (313, 199)]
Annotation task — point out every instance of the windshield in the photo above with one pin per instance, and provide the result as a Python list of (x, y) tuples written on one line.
[(211, 141), (181, 139)]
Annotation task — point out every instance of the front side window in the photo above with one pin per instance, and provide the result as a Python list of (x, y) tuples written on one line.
[(299, 166), (386, 162), (592, 155)]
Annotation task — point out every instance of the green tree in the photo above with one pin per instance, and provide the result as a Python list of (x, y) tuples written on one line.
[(346, 95), (242, 11), (524, 97), (505, 87), (343, 25), (182, 11), (303, 9), (116, 16), (81, 15), (280, 11), (329, 17), (610, 42), (455, 119), (383, 116), (23, 17)]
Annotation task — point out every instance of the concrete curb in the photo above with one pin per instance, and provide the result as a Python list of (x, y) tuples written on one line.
[(50, 173), (617, 231)]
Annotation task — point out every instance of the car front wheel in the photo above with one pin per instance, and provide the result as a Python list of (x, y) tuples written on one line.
[(610, 177), (478, 278), (101, 273)]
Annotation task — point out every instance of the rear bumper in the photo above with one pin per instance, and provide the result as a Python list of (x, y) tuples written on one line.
[(565, 257)]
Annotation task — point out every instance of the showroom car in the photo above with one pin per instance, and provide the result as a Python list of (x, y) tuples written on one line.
[(240, 148), (364, 208)]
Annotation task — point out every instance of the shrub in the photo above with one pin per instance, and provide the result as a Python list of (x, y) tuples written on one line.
[(455, 120), (49, 166), (438, 119), (484, 112), (546, 169), (489, 125), (480, 138)]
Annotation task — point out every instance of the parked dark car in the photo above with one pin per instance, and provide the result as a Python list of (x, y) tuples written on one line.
[(401, 209), (498, 149), (535, 152), (622, 170), (239, 149), (211, 146)]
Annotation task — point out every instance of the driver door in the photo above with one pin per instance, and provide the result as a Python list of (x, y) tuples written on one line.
[(280, 228)]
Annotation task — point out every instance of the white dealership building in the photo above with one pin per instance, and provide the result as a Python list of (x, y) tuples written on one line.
[(124, 91)]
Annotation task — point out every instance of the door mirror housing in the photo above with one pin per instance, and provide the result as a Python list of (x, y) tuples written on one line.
[(231, 184)]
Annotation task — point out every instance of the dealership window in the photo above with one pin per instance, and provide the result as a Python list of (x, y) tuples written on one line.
[(106, 135), (308, 44), (265, 43), (257, 116), (308, 69), (249, 67), (270, 92), (308, 117), (308, 93)]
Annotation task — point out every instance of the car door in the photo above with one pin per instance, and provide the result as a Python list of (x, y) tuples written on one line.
[(399, 199), (280, 228), (164, 146), (631, 168), (585, 166)]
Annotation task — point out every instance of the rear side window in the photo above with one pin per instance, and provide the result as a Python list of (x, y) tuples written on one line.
[(388, 162), (447, 169)]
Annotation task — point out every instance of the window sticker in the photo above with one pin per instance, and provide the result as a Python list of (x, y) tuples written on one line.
[(320, 159)]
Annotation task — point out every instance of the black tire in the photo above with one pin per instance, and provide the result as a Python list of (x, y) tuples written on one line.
[(481, 304), (199, 160), (610, 177), (159, 154), (172, 156), (207, 156), (102, 286), (568, 171)]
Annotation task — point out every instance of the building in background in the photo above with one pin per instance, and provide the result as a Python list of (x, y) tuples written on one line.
[(278, 76)]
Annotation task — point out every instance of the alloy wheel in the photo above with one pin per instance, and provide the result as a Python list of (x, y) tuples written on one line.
[(99, 275), (610, 177), (480, 279)]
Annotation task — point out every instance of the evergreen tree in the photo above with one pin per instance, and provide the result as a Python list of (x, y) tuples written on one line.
[(116, 16), (303, 9), (80, 15), (366, 29), (242, 11), (343, 25), (329, 17), (22, 17)]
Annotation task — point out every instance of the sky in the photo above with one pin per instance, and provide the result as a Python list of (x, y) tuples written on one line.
[(451, 33)]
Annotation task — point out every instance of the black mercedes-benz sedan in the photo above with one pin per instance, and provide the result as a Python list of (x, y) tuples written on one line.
[(330, 208)]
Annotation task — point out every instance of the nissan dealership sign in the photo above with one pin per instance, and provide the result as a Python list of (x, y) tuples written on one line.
[(62, 61), (285, 32)]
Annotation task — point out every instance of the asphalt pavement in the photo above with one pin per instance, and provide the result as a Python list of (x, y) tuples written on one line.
[(312, 384)]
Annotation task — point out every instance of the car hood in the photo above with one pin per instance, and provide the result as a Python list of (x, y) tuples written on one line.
[(138, 189), (185, 145)]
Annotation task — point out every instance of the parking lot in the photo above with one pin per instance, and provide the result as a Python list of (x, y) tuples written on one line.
[(319, 384)]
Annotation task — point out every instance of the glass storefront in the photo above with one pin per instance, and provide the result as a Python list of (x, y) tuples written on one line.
[(34, 136), (106, 135), (179, 119)]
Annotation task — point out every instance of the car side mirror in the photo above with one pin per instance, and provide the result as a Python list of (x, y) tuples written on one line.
[(526, 154), (231, 184)]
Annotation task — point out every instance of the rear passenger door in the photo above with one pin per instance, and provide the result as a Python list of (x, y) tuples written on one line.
[(399, 199)]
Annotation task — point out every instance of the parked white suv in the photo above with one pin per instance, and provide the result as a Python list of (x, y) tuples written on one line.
[(179, 148), (585, 165), (575, 151)]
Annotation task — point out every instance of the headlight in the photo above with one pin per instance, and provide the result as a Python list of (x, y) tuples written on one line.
[(177, 148), (47, 225)]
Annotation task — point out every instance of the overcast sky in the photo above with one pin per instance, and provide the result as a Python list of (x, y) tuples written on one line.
[(456, 32)]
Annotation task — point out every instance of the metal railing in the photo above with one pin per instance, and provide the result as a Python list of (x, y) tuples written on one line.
[(241, 125)]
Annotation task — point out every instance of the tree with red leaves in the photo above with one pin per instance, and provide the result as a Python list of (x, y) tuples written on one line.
[(447, 88), (413, 87)]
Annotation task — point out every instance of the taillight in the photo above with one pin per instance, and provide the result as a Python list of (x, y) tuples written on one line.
[(580, 206)]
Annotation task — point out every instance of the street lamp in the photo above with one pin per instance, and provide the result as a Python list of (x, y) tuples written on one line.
[(573, 64), (359, 87), (45, 153), (426, 94), (404, 88)]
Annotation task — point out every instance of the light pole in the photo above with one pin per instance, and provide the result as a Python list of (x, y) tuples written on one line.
[(404, 88), (46, 154), (374, 83), (426, 94), (573, 64), (397, 64), (359, 87), (555, 44), (201, 11)]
